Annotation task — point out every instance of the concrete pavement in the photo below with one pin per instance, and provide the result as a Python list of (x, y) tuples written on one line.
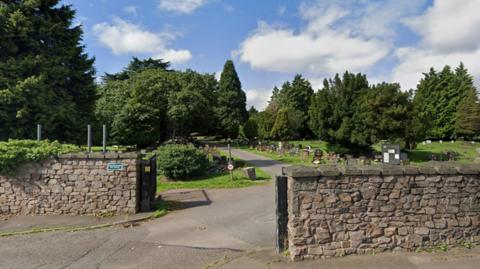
[(226, 228)]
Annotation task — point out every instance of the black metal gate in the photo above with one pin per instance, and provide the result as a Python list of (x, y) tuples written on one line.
[(149, 183)]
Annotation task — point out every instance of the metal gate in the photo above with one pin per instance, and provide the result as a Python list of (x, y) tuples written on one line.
[(149, 183)]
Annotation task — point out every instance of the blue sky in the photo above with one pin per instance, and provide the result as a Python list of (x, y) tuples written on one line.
[(271, 41)]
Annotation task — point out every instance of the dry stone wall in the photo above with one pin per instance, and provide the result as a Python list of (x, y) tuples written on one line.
[(73, 184), (359, 209)]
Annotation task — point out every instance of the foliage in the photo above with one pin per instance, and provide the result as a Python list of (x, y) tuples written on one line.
[(282, 128), (233, 131), (250, 128), (441, 93), (180, 162), (467, 118), (163, 207), (296, 120), (136, 66), (231, 106), (45, 76), (267, 118), (252, 112), (14, 152), (334, 114)]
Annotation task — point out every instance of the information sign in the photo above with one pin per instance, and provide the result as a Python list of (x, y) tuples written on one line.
[(391, 154), (114, 166)]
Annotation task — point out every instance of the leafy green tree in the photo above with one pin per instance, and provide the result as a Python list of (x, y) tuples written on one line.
[(282, 128), (233, 131), (468, 116), (267, 118), (334, 114), (441, 93), (232, 99), (250, 128), (252, 112), (136, 66), (45, 76)]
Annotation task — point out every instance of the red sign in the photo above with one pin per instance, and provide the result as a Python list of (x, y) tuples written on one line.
[(230, 167)]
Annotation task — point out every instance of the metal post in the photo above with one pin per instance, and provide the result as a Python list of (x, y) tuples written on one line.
[(39, 132), (104, 138), (229, 160), (89, 138)]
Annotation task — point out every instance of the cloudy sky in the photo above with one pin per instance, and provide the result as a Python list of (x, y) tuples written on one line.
[(271, 41)]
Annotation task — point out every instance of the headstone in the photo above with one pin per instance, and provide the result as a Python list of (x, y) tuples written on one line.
[(318, 153), (215, 153), (406, 162), (250, 147), (432, 158), (362, 158), (222, 162), (300, 145), (223, 158), (205, 151), (305, 154), (351, 162), (453, 141), (424, 143), (348, 156), (440, 141), (282, 153), (429, 141), (215, 159), (367, 162), (143, 151), (249, 172), (240, 164), (378, 158), (403, 156), (292, 154)]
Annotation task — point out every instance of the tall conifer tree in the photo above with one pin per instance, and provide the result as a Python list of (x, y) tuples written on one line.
[(232, 100), (45, 76)]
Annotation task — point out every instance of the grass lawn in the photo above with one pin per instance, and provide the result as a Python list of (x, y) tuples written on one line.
[(417, 156), (219, 180)]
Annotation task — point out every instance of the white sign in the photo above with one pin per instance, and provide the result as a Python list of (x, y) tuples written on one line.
[(397, 156), (386, 158), (391, 151), (230, 167)]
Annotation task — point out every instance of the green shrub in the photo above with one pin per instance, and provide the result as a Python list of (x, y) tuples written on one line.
[(180, 161), (250, 129), (14, 152), (233, 130)]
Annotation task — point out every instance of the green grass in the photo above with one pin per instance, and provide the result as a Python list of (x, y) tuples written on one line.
[(419, 157), (221, 180), (166, 206)]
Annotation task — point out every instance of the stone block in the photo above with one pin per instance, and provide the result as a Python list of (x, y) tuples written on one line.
[(300, 171), (328, 171), (248, 172)]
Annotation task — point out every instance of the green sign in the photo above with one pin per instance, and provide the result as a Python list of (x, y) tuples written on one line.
[(114, 166)]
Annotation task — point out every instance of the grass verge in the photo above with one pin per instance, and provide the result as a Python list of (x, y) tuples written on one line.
[(163, 207)]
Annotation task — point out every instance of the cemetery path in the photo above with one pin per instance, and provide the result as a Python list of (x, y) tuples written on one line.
[(229, 218)]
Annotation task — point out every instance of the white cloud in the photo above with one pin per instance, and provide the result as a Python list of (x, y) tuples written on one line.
[(449, 26), (281, 10), (79, 20), (218, 75), (131, 9), (449, 36), (339, 35), (181, 6), (124, 37), (258, 98)]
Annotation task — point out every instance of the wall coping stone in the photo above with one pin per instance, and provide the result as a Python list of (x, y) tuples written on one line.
[(328, 171), (98, 155), (429, 168), (301, 171)]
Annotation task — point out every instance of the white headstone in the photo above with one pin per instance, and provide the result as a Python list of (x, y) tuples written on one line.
[(429, 141), (424, 143), (440, 141), (452, 141)]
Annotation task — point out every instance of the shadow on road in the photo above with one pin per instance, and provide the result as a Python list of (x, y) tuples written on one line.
[(190, 199)]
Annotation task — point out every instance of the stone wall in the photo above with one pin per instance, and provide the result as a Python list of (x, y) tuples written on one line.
[(73, 184), (336, 211)]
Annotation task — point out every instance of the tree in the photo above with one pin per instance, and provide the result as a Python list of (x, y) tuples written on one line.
[(468, 116), (232, 99), (136, 66), (282, 128), (334, 114), (252, 112), (267, 119), (250, 128), (45, 76), (441, 93), (233, 131)]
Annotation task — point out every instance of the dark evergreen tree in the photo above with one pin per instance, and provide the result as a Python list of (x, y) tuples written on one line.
[(282, 128), (467, 122), (252, 112), (250, 128), (137, 66), (45, 76), (232, 100)]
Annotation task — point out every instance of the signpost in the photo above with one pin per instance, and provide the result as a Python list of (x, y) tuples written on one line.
[(230, 167), (229, 160), (114, 166)]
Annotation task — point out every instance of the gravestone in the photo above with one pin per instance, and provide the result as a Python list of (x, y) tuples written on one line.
[(429, 141), (348, 156), (424, 143), (317, 156), (367, 162), (143, 151), (406, 162), (378, 158), (249, 172), (351, 162), (216, 153), (403, 156), (432, 158), (223, 158), (215, 159), (240, 164), (200, 148), (299, 146), (477, 160), (440, 141), (230, 161), (282, 153), (305, 154), (362, 159), (292, 154), (250, 147), (453, 141), (222, 162)]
